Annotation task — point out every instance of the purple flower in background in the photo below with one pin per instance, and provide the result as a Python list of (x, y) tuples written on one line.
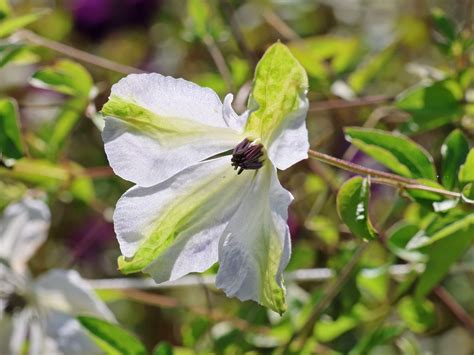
[(95, 18)]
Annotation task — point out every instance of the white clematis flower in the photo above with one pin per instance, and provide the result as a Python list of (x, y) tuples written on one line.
[(42, 311), (206, 183)]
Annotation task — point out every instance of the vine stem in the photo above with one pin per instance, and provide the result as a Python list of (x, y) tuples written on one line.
[(333, 290), (380, 177), (31, 37), (219, 61), (339, 103)]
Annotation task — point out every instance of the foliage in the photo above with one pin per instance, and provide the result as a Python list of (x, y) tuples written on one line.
[(384, 222)]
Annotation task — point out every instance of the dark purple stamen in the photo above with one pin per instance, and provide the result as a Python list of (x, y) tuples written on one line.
[(247, 156)]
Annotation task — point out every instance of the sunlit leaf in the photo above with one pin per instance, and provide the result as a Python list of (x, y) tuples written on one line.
[(418, 315), (112, 338), (454, 151), (10, 136), (431, 105), (65, 76), (315, 53), (373, 283), (352, 206), (199, 13), (16, 54), (8, 25), (466, 172), (395, 151)]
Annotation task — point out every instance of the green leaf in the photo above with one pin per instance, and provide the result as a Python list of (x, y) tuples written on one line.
[(163, 348), (379, 336), (112, 338), (66, 77), (418, 315), (279, 90), (432, 105), (8, 25), (352, 206), (454, 152), (399, 237), (359, 78), (466, 172), (445, 248), (315, 53), (395, 151), (468, 193), (373, 283), (444, 25), (17, 54), (10, 137)]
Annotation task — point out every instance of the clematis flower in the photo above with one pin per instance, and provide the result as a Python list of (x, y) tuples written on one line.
[(206, 178), (42, 311)]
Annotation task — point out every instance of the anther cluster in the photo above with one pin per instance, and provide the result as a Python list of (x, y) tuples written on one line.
[(247, 155)]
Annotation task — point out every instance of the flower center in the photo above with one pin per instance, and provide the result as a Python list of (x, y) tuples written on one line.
[(248, 155), (14, 303)]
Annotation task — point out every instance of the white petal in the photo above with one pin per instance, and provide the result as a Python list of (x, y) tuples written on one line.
[(232, 119), (23, 228), (173, 228), (20, 324), (255, 247), (163, 125), (146, 160), (68, 335), (170, 97), (290, 144), (66, 291)]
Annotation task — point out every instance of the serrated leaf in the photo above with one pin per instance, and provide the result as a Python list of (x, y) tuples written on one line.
[(454, 152), (10, 137), (444, 249), (112, 338), (431, 105), (352, 206), (397, 152), (8, 25), (65, 76), (466, 171)]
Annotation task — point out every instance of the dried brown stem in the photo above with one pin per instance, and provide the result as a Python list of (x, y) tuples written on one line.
[(338, 104)]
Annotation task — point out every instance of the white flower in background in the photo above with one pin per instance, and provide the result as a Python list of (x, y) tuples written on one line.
[(206, 183), (40, 312)]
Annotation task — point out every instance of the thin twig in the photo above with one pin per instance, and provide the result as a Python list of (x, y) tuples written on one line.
[(229, 15), (154, 299), (460, 313), (31, 37), (338, 104), (303, 333), (219, 60), (280, 26), (380, 177)]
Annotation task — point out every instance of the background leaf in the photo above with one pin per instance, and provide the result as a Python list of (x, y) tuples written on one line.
[(352, 206), (395, 151), (112, 337), (454, 152), (10, 139)]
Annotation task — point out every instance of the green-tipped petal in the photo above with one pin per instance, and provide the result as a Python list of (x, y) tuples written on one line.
[(255, 247), (279, 105), (173, 228), (158, 126)]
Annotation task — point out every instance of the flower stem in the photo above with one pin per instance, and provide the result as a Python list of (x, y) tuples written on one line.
[(28, 36), (380, 177)]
